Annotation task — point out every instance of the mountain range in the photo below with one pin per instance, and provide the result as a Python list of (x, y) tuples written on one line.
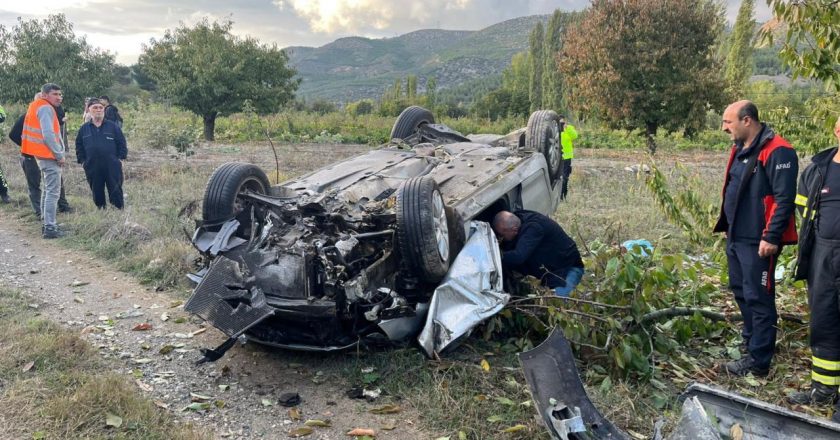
[(353, 68)]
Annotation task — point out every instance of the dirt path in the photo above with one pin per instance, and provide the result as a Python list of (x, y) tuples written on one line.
[(105, 305)]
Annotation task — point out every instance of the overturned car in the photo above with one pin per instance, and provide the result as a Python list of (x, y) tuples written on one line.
[(353, 251)]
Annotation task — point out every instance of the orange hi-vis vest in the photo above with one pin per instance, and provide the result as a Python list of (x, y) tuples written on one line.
[(33, 137)]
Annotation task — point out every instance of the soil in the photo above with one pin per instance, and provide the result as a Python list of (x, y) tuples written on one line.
[(106, 306)]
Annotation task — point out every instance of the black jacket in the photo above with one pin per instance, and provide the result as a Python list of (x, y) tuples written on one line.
[(808, 199), (542, 249), (113, 114), (764, 203), (16, 133), (100, 145)]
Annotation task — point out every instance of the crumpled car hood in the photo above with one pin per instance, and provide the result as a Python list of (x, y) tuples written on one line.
[(470, 293)]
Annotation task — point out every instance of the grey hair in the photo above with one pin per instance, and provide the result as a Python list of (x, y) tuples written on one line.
[(49, 87)]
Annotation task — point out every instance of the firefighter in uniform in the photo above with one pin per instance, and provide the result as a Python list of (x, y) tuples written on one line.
[(757, 216), (818, 262)]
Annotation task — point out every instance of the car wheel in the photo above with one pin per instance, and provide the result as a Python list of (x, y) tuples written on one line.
[(543, 135), (409, 120), (422, 229), (221, 198)]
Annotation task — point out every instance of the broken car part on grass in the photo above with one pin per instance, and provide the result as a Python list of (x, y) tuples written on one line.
[(353, 251), (709, 413)]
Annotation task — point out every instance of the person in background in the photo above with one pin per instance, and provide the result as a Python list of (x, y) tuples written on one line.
[(756, 215), (63, 205), (4, 185), (100, 146), (41, 138), (818, 262), (86, 115), (568, 135), (31, 171), (111, 112), (536, 245)]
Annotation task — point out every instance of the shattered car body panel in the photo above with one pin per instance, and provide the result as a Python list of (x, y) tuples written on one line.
[(708, 412), (470, 293), (317, 263)]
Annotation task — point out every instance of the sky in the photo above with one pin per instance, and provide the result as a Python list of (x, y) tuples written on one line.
[(123, 26)]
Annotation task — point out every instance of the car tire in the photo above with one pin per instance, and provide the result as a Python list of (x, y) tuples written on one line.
[(543, 135), (409, 120), (422, 229), (221, 195)]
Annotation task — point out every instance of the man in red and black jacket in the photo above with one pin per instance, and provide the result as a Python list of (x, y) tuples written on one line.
[(757, 216)]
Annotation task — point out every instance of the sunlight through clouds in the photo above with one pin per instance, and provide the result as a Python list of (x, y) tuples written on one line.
[(330, 16), (38, 7)]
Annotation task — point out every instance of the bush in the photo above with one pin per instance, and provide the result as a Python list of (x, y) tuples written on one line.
[(157, 127)]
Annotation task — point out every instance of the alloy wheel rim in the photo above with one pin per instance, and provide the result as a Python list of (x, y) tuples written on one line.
[(440, 226)]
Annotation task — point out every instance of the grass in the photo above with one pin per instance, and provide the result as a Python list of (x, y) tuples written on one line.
[(55, 385), (606, 203)]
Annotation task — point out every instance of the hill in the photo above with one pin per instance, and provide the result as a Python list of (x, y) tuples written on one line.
[(354, 68)]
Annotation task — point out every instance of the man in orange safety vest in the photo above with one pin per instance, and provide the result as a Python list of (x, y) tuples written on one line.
[(41, 138)]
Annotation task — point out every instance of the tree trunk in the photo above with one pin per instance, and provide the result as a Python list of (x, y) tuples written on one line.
[(209, 126), (650, 132)]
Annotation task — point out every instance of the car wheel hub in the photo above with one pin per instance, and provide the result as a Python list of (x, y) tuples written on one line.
[(554, 146), (441, 228)]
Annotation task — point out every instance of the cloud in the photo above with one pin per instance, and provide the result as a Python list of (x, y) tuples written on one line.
[(333, 16)]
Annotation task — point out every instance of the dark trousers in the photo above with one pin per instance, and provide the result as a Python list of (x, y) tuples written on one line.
[(4, 185), (823, 292), (567, 171), (102, 174), (751, 279), (33, 182)]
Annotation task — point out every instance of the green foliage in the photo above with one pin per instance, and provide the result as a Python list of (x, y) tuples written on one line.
[(812, 42), (739, 61), (209, 71), (159, 127), (512, 98), (594, 136), (689, 210), (35, 52), (808, 132), (363, 107), (552, 82), (645, 64), (626, 325), (537, 58)]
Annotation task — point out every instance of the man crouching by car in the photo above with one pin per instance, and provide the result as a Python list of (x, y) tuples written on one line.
[(536, 245)]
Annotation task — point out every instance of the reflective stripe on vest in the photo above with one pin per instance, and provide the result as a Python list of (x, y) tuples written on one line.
[(32, 136)]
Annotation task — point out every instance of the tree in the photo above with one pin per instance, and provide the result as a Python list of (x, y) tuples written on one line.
[(511, 98), (411, 88), (739, 62), (645, 63), (431, 93), (210, 72), (552, 86), (35, 52), (812, 42), (536, 50)]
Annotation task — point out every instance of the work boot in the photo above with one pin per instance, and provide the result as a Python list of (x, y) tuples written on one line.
[(744, 366), (52, 232), (819, 394), (66, 209)]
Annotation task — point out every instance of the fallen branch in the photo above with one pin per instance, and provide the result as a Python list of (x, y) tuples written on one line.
[(708, 314), (522, 308)]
